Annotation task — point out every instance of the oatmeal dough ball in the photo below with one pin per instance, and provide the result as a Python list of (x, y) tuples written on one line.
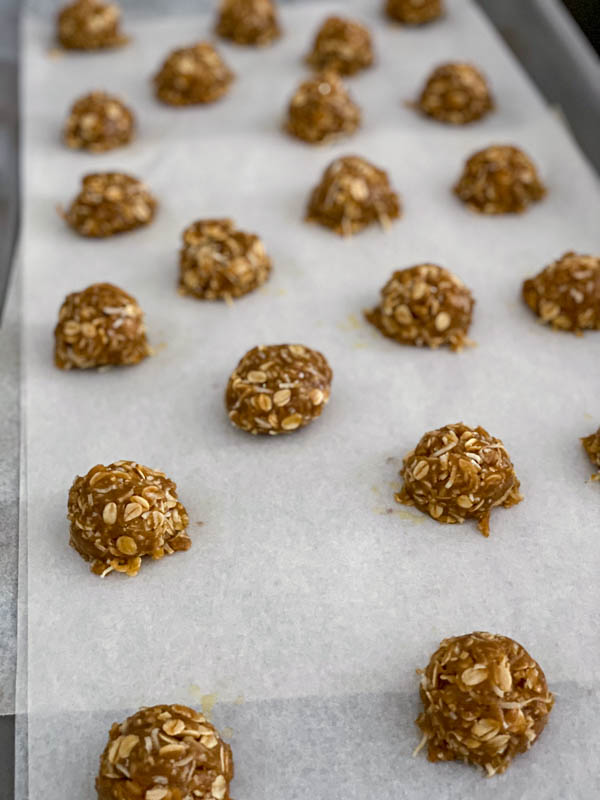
[(219, 262), (251, 22), (109, 203), (165, 752), (426, 306), (90, 25), (456, 93), (591, 445), (414, 12), (352, 194), (457, 473), (566, 294), (341, 45), (321, 110), (98, 122), (193, 75), (122, 512), (484, 701), (278, 388), (100, 326), (499, 180)]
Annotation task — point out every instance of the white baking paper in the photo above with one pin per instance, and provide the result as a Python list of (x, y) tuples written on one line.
[(309, 597)]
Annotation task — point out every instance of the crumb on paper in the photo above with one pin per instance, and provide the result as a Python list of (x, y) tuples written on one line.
[(207, 701)]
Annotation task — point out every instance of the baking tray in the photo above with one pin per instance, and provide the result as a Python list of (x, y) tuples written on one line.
[(540, 17)]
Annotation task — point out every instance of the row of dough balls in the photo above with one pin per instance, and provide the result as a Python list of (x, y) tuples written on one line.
[(320, 110), (122, 512), (424, 306), (485, 700), (351, 195), (95, 24)]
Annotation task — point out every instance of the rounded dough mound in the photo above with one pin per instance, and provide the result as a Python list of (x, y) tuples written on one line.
[(566, 294), (98, 327), (499, 180), (98, 122), (165, 752), (278, 389), (457, 473), (352, 194), (321, 110), (217, 261), (90, 25), (484, 701), (341, 45), (425, 305), (456, 93), (110, 203), (193, 75), (122, 512), (414, 12), (248, 22)]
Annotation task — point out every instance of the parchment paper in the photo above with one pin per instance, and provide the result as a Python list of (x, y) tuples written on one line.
[(308, 595)]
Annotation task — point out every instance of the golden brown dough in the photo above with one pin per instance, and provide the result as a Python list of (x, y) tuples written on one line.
[(278, 389), (591, 445), (110, 203), (457, 473), (499, 180), (100, 326), (193, 75), (165, 752), (566, 294), (321, 110), (98, 122), (90, 25), (414, 12), (122, 512), (341, 45), (248, 22), (217, 261), (485, 700), (425, 305), (352, 194), (456, 93)]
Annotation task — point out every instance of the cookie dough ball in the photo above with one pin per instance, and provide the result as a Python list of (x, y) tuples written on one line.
[(485, 700), (457, 473), (90, 25), (193, 75), (341, 45), (591, 445), (321, 110), (499, 180), (566, 294), (219, 262), (456, 93), (100, 326), (165, 752), (278, 388), (414, 12), (109, 203), (426, 306), (251, 22), (98, 122), (352, 194), (122, 512)]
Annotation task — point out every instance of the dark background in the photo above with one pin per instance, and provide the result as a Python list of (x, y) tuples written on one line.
[(587, 14)]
